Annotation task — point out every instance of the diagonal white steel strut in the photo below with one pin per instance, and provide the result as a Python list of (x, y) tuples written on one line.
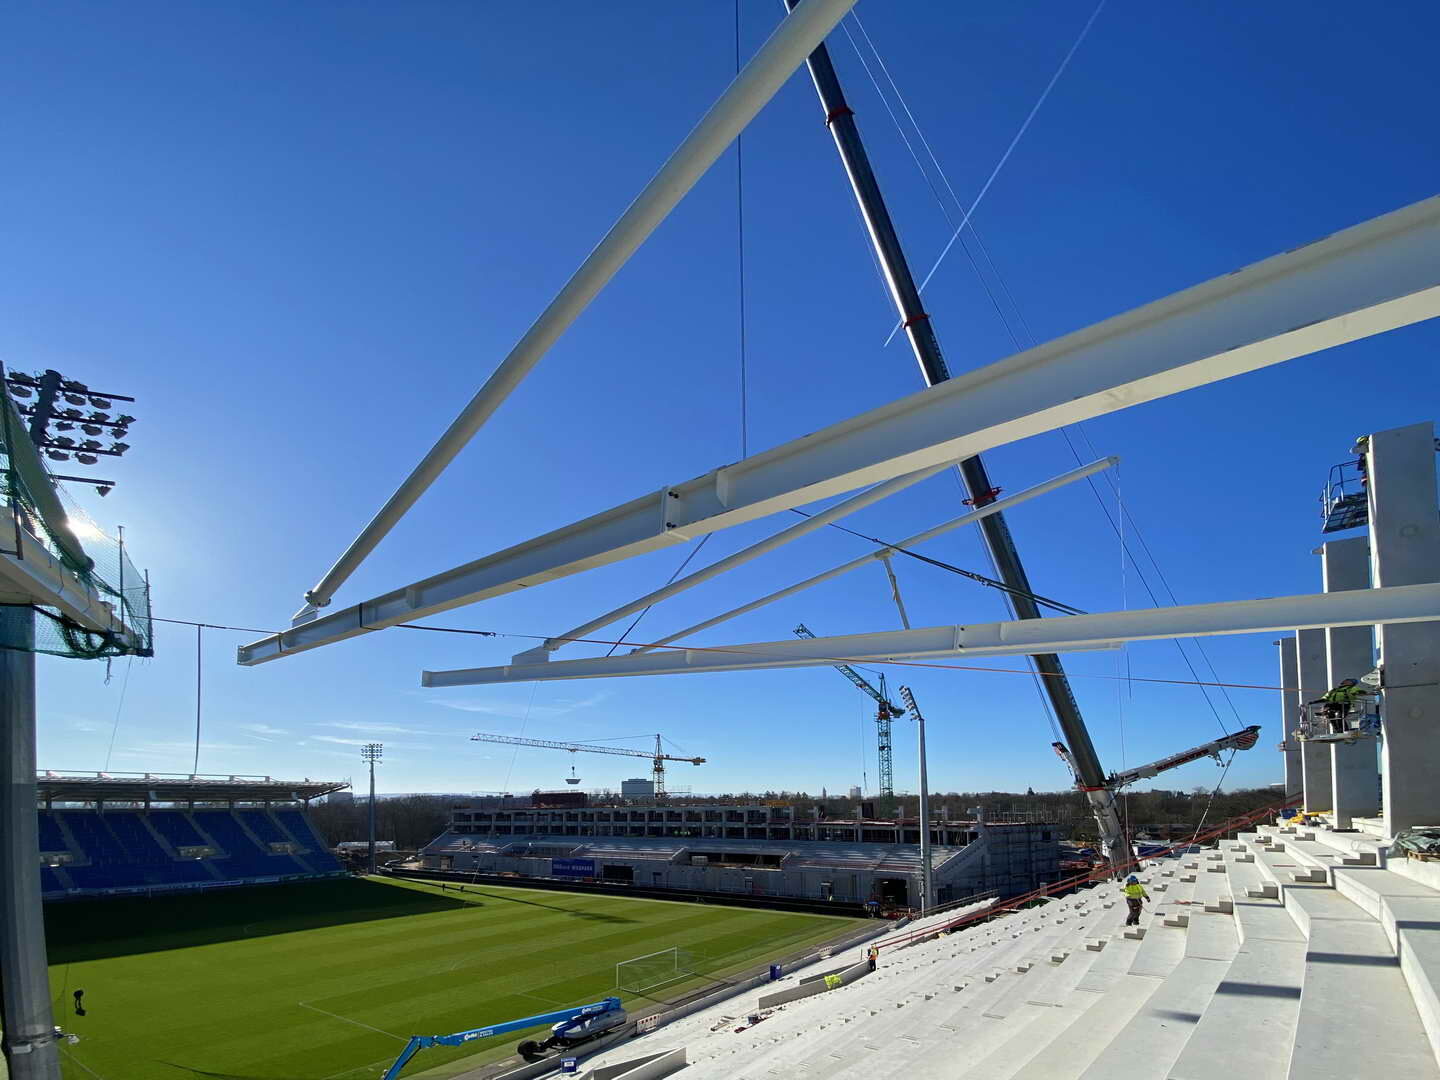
[(1373, 277), (998, 506), (754, 551), (1062, 633), (755, 85)]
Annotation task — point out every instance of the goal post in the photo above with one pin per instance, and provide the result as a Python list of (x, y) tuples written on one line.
[(655, 969)]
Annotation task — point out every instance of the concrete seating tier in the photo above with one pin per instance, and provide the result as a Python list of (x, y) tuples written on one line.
[(1298, 962)]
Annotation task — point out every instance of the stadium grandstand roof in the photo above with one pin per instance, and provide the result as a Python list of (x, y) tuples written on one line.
[(122, 787)]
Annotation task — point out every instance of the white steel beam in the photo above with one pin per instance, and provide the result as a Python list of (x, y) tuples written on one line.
[(1382, 274), (1065, 633), (744, 555), (794, 40), (32, 575), (996, 507)]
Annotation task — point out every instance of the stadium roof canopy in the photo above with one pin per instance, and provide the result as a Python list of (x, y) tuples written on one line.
[(116, 787)]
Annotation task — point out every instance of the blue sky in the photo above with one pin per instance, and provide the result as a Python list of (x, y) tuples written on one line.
[(302, 234)]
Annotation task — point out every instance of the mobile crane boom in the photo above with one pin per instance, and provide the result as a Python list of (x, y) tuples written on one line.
[(1239, 740)]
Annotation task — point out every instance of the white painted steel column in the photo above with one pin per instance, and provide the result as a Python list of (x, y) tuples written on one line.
[(753, 87), (1290, 716), (1314, 757), (1405, 549), (1350, 653), (30, 1046)]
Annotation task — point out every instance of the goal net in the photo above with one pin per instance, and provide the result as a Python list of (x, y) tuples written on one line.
[(652, 970)]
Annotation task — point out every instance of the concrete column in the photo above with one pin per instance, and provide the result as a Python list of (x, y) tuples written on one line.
[(1290, 717), (1350, 653), (1405, 550), (1314, 757)]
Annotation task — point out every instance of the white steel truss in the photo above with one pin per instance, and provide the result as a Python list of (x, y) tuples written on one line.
[(1365, 280), (1065, 633)]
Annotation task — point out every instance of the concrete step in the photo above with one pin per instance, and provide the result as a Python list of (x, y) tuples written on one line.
[(1066, 1058), (1251, 1017), (1150, 1041), (1351, 973)]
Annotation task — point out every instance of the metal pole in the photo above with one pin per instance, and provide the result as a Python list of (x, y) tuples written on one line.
[(761, 78), (926, 886), (840, 118), (29, 1042), (927, 889), (371, 753)]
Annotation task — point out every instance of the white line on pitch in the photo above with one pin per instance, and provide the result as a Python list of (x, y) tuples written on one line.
[(347, 1020), (76, 1061)]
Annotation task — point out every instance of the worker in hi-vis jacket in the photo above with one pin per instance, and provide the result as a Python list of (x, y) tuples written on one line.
[(1135, 896)]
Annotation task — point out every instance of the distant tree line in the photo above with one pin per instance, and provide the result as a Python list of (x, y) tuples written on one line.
[(411, 821)]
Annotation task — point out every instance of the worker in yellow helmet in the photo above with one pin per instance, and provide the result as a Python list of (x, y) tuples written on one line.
[(1135, 896)]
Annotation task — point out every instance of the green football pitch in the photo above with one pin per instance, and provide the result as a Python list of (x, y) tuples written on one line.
[(326, 980)]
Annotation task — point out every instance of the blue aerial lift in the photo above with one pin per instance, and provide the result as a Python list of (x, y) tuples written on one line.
[(571, 1028)]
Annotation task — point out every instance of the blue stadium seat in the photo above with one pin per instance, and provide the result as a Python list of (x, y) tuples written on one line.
[(175, 826), (319, 854), (263, 826), (243, 859), (51, 838), (119, 850)]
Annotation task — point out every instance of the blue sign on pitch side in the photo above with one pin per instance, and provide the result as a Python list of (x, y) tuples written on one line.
[(572, 867)]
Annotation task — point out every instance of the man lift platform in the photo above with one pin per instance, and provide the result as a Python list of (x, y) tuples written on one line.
[(571, 1027)]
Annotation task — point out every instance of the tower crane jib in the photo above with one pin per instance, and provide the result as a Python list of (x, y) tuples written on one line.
[(657, 759)]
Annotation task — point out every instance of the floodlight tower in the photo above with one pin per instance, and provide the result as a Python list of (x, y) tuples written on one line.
[(371, 753), (59, 408)]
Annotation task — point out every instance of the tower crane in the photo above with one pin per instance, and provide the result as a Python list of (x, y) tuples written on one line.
[(658, 758), (886, 710)]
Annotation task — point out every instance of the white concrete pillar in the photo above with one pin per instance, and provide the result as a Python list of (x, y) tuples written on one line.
[(1314, 757), (1405, 550), (1290, 716), (1350, 653)]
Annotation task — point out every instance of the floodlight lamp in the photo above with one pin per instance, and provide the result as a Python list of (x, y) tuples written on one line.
[(87, 459), (21, 377), (74, 386), (64, 425), (100, 402), (91, 429), (99, 417), (20, 390), (64, 440), (76, 399), (119, 432), (72, 414), (103, 489), (124, 420), (90, 444), (57, 455), (120, 447)]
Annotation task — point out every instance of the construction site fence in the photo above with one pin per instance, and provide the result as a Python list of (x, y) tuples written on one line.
[(1102, 873)]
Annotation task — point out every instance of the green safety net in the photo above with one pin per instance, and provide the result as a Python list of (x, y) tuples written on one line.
[(106, 567)]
